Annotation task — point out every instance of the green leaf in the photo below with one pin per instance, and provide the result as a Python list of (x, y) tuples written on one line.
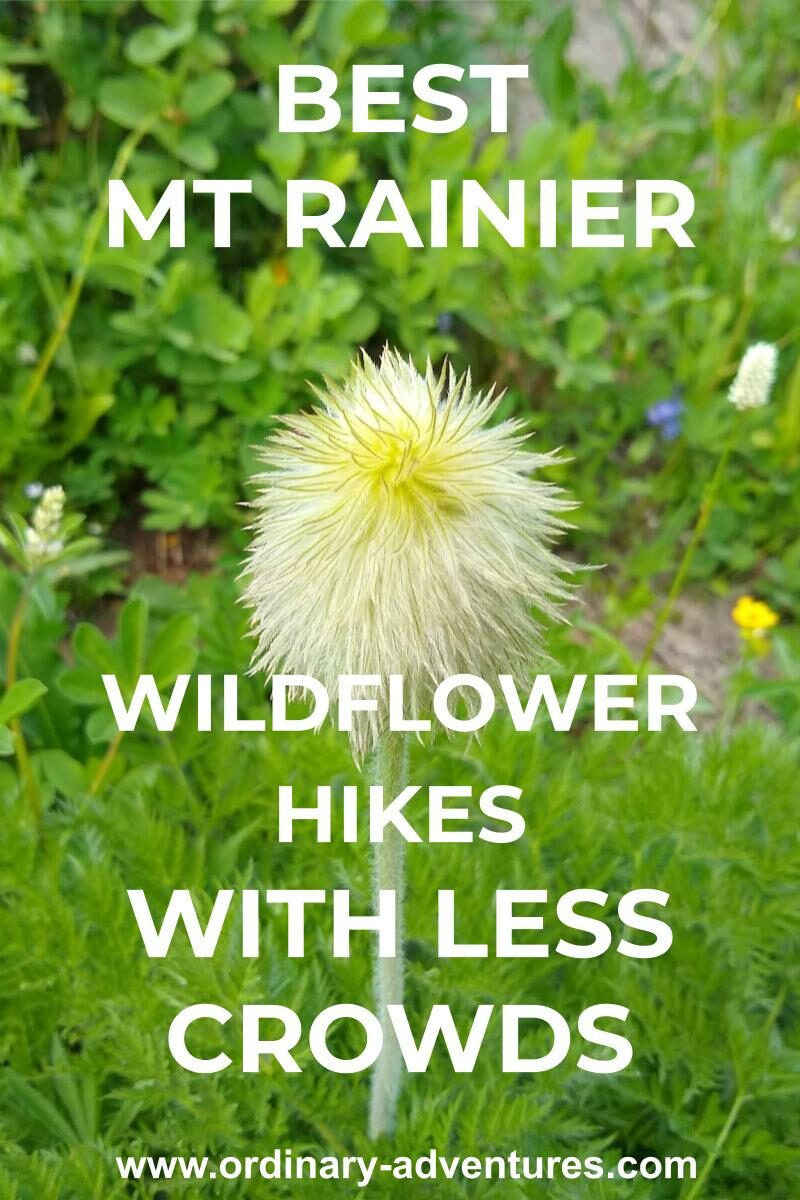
[(11, 547), (210, 323), (132, 634), (283, 153), (6, 742), (78, 112), (83, 419), (342, 296), (554, 77), (101, 727), (338, 168), (152, 43), (70, 564), (66, 774), (197, 151), (92, 648), (365, 22), (585, 332), (200, 96), (789, 418), (131, 99), (35, 1109), (20, 697), (174, 650), (174, 12), (83, 685)]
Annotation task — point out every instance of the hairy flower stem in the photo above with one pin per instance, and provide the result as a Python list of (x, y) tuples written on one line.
[(706, 508), (390, 769), (20, 746)]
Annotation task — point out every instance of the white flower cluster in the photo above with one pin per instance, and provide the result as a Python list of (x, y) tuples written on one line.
[(42, 540), (755, 377)]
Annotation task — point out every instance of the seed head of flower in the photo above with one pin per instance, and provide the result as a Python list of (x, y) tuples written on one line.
[(397, 531), (755, 377)]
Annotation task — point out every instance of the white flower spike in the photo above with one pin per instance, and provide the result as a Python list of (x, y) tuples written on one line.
[(397, 531), (42, 537), (755, 377)]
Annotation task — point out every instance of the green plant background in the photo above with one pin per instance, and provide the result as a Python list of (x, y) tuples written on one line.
[(141, 380)]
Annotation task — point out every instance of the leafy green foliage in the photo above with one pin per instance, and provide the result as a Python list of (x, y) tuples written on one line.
[(707, 818), (172, 366), (176, 362)]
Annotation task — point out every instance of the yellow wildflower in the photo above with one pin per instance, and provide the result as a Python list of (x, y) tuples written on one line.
[(11, 85), (753, 617)]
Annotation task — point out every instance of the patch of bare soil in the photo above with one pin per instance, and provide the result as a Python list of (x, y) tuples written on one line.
[(700, 641), (654, 31), (657, 32), (172, 556)]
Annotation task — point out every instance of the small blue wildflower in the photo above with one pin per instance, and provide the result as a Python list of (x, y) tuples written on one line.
[(667, 415), (33, 490), (445, 322)]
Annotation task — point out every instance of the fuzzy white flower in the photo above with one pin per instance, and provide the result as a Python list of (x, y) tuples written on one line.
[(399, 532), (755, 377)]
